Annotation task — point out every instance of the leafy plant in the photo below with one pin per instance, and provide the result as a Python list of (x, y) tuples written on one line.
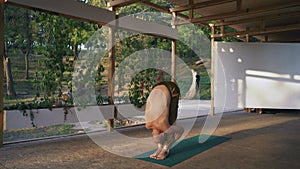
[(142, 84)]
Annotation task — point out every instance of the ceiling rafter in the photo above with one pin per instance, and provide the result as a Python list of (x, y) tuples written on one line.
[(258, 19), (161, 8), (120, 3), (270, 30), (200, 5), (245, 12)]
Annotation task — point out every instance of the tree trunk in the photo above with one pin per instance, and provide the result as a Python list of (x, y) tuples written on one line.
[(76, 52), (9, 79), (28, 45), (27, 65)]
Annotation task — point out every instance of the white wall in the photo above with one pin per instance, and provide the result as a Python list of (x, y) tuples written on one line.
[(259, 75), (46, 117)]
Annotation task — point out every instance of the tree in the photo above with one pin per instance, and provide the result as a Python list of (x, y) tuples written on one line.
[(19, 33), (10, 91)]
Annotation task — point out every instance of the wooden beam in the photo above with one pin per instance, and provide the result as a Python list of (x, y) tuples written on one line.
[(200, 5), (238, 5), (120, 3), (191, 11), (161, 8), (212, 74), (111, 71), (1, 70), (244, 12), (167, 10), (137, 25), (270, 30), (68, 8), (258, 19), (84, 12), (155, 6), (288, 40)]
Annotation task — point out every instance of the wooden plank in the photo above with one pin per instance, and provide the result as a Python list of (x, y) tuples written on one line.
[(238, 5), (68, 8), (191, 11), (270, 30), (120, 3), (161, 8), (1, 70), (245, 12), (155, 6), (144, 27), (200, 5), (258, 19)]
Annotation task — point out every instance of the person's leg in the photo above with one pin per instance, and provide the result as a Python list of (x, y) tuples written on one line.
[(157, 119), (170, 137), (156, 116), (158, 139)]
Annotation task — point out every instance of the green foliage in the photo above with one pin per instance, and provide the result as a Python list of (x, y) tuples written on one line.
[(141, 85), (55, 38), (27, 109), (37, 132)]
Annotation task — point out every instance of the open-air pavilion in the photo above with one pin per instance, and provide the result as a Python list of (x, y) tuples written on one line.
[(260, 75)]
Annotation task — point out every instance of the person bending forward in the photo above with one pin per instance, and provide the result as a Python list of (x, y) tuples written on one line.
[(160, 115)]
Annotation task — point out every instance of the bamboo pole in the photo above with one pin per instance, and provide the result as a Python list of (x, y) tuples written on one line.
[(1, 70), (212, 70)]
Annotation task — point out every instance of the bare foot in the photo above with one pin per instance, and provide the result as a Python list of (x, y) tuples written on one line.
[(163, 154), (170, 137), (157, 152)]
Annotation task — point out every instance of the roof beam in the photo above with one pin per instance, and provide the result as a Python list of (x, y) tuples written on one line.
[(68, 8), (200, 5), (155, 6), (161, 8), (149, 28), (243, 13), (270, 30), (84, 12), (120, 3), (258, 19), (290, 40)]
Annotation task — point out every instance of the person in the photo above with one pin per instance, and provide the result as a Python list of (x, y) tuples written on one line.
[(198, 81), (160, 116)]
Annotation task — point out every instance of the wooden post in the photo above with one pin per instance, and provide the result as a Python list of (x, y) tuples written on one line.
[(112, 59), (246, 109), (191, 11), (212, 78), (1, 70), (173, 68), (247, 38)]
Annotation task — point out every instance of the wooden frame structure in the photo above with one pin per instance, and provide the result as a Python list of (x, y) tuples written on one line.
[(87, 13), (266, 20)]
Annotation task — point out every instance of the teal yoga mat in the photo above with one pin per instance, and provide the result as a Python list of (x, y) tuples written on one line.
[(184, 150)]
